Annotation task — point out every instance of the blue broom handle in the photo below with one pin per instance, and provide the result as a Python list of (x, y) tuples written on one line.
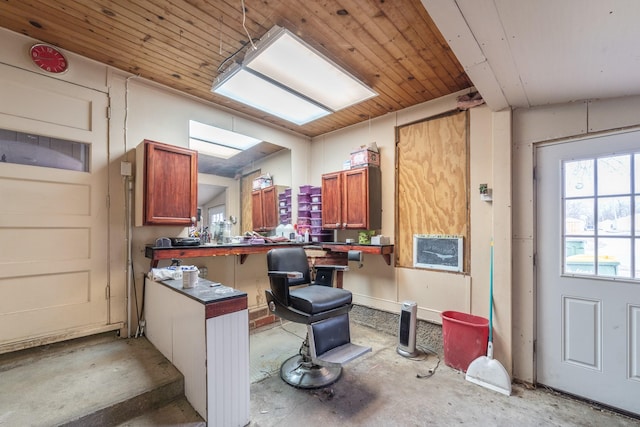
[(491, 293)]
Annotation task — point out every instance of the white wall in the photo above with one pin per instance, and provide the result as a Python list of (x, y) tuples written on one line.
[(278, 165), (532, 127)]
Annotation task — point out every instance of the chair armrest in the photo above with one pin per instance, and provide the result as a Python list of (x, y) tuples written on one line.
[(286, 274), (332, 267)]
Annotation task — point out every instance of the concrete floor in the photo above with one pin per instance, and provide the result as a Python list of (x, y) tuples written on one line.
[(86, 382), (383, 388)]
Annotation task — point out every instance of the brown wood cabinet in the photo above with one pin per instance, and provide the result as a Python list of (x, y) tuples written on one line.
[(264, 208), (169, 183), (352, 199)]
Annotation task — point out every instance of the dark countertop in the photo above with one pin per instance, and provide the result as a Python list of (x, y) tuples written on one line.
[(243, 250), (263, 245), (228, 245), (203, 292)]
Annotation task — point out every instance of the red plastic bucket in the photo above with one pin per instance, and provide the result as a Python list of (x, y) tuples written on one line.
[(464, 338)]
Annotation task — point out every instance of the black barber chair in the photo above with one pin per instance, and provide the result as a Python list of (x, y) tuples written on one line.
[(324, 309)]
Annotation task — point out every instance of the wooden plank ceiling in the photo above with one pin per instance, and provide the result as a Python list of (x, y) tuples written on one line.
[(393, 46)]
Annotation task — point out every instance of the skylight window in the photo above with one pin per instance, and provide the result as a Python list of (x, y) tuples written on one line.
[(217, 142)]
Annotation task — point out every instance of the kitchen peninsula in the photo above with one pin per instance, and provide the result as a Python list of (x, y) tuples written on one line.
[(204, 332)]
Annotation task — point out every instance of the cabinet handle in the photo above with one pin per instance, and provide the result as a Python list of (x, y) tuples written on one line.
[(344, 225), (337, 225)]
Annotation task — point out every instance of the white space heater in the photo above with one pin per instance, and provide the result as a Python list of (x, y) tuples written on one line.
[(407, 332)]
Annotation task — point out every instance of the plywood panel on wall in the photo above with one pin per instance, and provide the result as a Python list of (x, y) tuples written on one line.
[(432, 183), (246, 186)]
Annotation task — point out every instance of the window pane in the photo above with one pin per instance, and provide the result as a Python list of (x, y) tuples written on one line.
[(36, 150), (614, 215), (579, 262), (574, 246), (614, 175), (614, 257), (579, 217), (216, 214), (578, 178), (601, 215)]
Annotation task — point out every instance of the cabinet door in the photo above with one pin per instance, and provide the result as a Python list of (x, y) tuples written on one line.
[(355, 199), (257, 217), (270, 208), (332, 200), (170, 184), (364, 198), (352, 199)]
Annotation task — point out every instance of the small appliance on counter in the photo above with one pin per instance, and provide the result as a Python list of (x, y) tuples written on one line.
[(185, 241), (163, 242)]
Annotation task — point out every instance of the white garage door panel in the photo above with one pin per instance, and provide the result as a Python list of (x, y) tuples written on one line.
[(69, 319), (28, 196), (52, 102), (24, 294), (51, 244), (42, 270)]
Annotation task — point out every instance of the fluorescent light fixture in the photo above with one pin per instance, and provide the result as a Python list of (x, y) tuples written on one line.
[(284, 67), (217, 142), (249, 88)]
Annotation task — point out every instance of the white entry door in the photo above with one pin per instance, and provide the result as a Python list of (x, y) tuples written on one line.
[(53, 210), (588, 268)]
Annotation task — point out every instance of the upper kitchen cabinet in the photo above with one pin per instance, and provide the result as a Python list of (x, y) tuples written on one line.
[(352, 199), (264, 208), (166, 184)]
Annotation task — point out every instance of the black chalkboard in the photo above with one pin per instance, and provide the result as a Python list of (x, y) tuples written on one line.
[(438, 252)]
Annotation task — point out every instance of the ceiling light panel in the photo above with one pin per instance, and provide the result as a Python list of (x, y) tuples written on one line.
[(287, 78), (285, 58), (244, 86)]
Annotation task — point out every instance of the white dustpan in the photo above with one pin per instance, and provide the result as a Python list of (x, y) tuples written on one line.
[(485, 370)]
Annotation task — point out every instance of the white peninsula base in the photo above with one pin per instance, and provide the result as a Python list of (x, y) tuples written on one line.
[(206, 336)]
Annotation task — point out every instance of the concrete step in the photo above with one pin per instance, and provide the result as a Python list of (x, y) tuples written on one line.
[(98, 381), (176, 413)]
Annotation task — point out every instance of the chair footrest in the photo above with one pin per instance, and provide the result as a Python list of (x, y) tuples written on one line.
[(342, 354)]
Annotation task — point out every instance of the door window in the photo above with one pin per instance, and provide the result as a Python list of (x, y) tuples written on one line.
[(37, 150), (601, 198)]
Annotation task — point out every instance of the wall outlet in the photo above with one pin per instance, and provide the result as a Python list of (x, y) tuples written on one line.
[(203, 272), (125, 168)]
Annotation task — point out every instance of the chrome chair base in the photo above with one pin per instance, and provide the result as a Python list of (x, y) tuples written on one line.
[(302, 373)]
